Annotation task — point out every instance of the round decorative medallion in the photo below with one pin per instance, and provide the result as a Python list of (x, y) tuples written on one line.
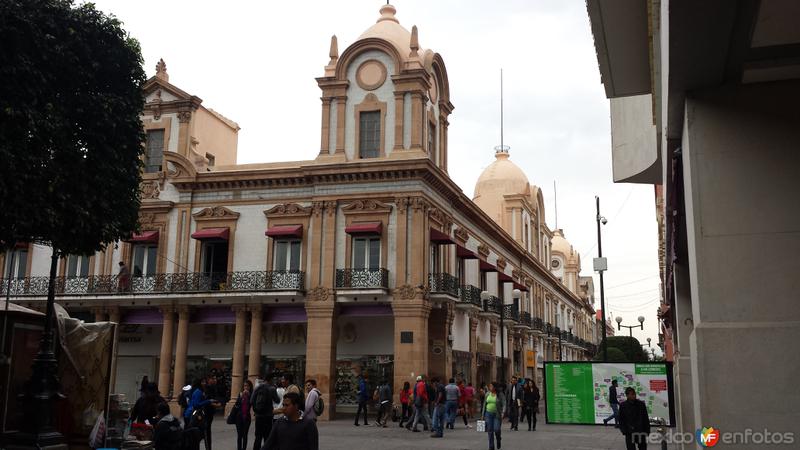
[(371, 75), (555, 264)]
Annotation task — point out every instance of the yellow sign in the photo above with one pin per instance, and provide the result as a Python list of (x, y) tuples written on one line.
[(530, 358)]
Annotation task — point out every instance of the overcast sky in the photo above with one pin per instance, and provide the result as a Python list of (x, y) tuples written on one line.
[(255, 62)]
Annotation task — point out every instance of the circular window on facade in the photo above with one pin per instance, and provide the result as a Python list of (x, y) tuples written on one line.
[(371, 75), (555, 264)]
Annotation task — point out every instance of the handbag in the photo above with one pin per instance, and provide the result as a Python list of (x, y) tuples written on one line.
[(480, 426), (235, 411)]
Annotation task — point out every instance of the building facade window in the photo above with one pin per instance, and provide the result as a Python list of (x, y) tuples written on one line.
[(460, 270), (369, 134), (432, 139), (145, 259), (367, 253), (287, 255), (20, 263), (154, 151), (77, 266), (435, 259), (214, 258)]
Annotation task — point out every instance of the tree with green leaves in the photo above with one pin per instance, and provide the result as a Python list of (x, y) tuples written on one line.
[(70, 144), (629, 347)]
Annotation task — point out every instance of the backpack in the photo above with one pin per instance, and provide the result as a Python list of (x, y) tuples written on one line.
[(262, 404), (319, 405), (174, 436)]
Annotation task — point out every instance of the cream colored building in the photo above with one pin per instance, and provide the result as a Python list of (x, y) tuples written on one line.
[(368, 258)]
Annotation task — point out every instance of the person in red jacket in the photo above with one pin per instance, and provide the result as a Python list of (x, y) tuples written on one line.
[(420, 406), (463, 404), (405, 400)]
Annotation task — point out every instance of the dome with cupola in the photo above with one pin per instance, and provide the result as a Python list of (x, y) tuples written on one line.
[(500, 179)]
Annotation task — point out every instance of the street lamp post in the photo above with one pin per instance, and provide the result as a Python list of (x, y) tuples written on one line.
[(630, 328), (648, 343), (485, 296), (600, 265)]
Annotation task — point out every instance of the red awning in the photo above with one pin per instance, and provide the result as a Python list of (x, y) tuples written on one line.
[(503, 278), (486, 267), (521, 287), (464, 253), (212, 233), (21, 245), (440, 238), (285, 231), (145, 237), (364, 228)]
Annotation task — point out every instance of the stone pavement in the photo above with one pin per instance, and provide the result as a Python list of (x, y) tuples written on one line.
[(341, 434)]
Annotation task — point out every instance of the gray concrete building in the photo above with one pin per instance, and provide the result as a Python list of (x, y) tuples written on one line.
[(703, 100)]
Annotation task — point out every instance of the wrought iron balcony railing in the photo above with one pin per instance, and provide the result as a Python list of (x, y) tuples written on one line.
[(511, 313), (362, 278), (444, 283), (492, 305), (548, 328), (160, 283), (538, 324), (469, 294), (525, 319)]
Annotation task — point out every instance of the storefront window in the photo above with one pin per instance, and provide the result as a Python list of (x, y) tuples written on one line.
[(376, 368), (294, 367)]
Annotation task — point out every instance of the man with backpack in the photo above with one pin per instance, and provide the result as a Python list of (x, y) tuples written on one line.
[(168, 433), (384, 404), (314, 404), (262, 399)]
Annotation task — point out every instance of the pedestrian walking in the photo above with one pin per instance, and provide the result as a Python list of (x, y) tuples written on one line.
[(313, 401), (493, 411), (421, 401), (405, 402), (293, 431), (439, 402), (212, 393), (452, 397), (384, 403), (633, 421), (514, 400), (469, 393), (463, 405), (363, 398), (242, 419), (264, 398), (613, 401), (195, 413), (167, 434), (530, 404)]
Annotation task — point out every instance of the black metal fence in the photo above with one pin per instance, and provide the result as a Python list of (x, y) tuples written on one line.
[(443, 283), (159, 283), (471, 295), (362, 278), (492, 305)]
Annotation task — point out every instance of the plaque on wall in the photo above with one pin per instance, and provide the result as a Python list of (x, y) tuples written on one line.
[(406, 337)]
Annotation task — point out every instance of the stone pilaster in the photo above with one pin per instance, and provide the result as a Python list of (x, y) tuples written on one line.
[(237, 369), (493, 335), (165, 359), (321, 341), (401, 255), (254, 357), (99, 313), (473, 348), (329, 245), (115, 316), (411, 312)]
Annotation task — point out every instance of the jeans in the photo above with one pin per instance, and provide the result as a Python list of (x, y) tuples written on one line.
[(209, 421), (513, 414), (406, 415), (614, 415), (492, 428), (362, 406), (421, 412), (438, 420), (263, 428), (451, 406), (530, 413), (242, 428)]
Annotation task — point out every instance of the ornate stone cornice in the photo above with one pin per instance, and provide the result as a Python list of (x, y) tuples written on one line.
[(483, 250), (367, 206), (289, 210), (419, 204), (216, 213)]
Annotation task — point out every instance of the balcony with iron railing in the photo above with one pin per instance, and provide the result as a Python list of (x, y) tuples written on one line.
[(469, 297), (511, 313), (492, 305), (525, 319), (538, 325), (362, 279), (444, 284), (160, 283)]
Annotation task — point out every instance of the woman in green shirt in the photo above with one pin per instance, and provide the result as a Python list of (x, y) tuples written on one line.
[(494, 409)]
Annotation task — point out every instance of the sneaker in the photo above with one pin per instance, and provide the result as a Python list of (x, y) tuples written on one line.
[(469, 426)]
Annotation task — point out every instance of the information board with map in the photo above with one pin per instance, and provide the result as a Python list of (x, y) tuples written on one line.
[(577, 392)]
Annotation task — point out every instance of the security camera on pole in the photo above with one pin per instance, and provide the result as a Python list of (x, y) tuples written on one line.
[(601, 265)]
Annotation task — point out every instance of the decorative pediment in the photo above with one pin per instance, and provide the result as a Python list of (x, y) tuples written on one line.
[(179, 167), (216, 213), (461, 235), (501, 263), (367, 207), (483, 250), (289, 210)]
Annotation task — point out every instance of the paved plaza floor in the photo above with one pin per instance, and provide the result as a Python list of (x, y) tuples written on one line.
[(341, 434)]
